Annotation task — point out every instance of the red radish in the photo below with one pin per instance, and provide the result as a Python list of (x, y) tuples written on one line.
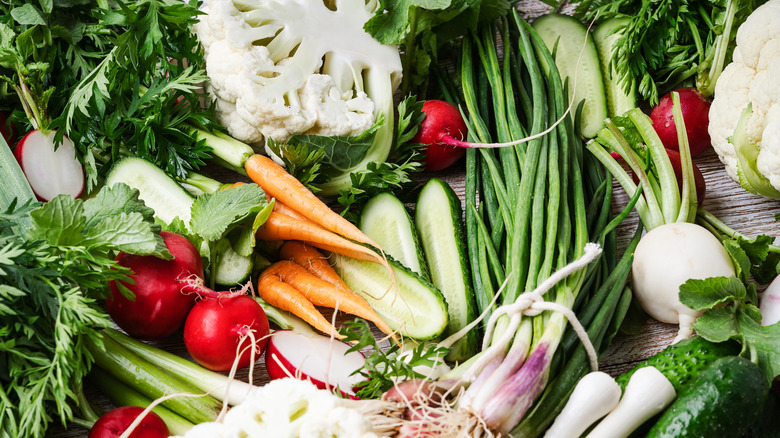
[(698, 178), (7, 127), (313, 357), (216, 326), (115, 422), (441, 119), (696, 114), (50, 172), (162, 298)]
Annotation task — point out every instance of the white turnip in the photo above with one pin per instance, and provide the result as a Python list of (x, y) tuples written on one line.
[(770, 303), (668, 256), (162, 299), (217, 327), (696, 115), (115, 422), (51, 170), (320, 359), (443, 124)]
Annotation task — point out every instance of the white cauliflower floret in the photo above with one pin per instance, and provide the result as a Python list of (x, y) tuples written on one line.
[(288, 408), (279, 68), (768, 162), (751, 79)]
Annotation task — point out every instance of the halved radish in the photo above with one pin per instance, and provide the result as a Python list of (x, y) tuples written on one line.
[(50, 172), (313, 357)]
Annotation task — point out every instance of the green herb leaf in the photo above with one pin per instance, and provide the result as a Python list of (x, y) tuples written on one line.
[(213, 213), (730, 314), (709, 293)]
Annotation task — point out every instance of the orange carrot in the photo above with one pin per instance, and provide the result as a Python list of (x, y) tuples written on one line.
[(282, 227), (322, 293), (313, 260), (235, 184), (285, 297), (279, 207), (278, 183)]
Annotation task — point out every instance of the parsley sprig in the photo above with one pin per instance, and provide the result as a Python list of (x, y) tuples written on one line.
[(119, 77), (51, 276), (384, 366)]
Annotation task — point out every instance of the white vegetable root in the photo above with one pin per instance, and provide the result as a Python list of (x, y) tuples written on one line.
[(596, 394), (668, 256), (770, 303), (648, 392)]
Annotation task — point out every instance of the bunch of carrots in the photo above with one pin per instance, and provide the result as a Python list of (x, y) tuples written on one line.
[(303, 279)]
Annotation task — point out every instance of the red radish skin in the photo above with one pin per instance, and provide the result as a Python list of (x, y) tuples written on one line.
[(161, 301), (115, 422), (215, 327), (696, 114), (50, 172), (441, 119), (7, 128), (313, 357), (698, 178)]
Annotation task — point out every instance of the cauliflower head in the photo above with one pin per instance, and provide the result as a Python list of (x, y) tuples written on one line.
[(744, 122), (288, 408), (283, 67)]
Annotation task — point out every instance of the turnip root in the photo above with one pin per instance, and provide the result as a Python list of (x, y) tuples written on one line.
[(668, 256), (50, 170), (770, 303), (319, 359)]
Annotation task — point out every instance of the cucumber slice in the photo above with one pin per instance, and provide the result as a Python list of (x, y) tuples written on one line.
[(566, 38), (414, 307), (232, 268), (605, 35), (160, 192), (439, 224), (385, 220)]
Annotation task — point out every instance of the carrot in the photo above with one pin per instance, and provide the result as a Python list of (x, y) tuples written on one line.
[(313, 260), (282, 227), (278, 183), (235, 184), (322, 293), (279, 207), (285, 297)]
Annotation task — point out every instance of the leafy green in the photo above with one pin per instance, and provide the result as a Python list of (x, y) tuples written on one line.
[(234, 213), (730, 312), (119, 77), (383, 366), (51, 277), (670, 42), (421, 27)]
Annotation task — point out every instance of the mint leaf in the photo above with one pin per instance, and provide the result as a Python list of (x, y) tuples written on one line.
[(764, 340), (110, 201), (718, 325), (128, 232), (213, 213), (28, 15), (59, 222), (710, 292)]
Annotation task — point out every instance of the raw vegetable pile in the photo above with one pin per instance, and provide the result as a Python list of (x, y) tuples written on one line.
[(384, 219)]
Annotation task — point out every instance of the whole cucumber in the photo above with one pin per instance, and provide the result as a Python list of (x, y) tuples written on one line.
[(682, 361), (724, 400)]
